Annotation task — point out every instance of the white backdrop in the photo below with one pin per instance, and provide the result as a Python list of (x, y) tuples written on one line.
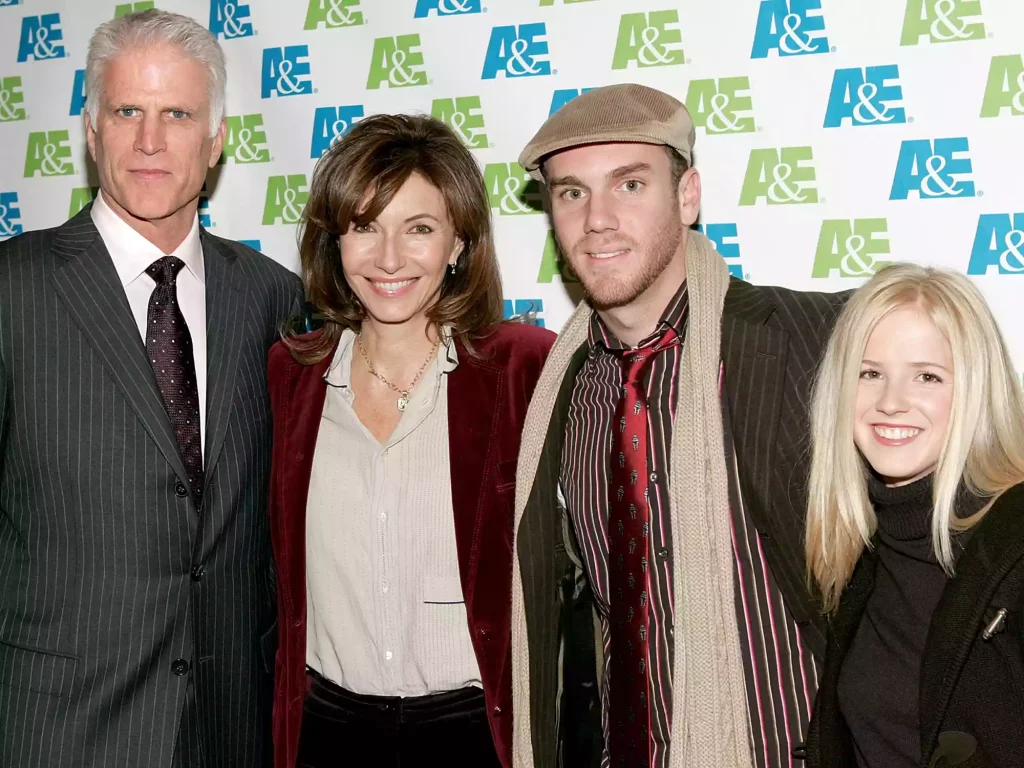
[(833, 135)]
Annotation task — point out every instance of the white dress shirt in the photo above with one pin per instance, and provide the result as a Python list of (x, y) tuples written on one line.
[(386, 615), (132, 254)]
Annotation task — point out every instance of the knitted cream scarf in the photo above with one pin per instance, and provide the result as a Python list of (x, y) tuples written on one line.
[(709, 707)]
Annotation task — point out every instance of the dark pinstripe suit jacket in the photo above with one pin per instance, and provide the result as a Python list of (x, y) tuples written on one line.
[(772, 339), (108, 572)]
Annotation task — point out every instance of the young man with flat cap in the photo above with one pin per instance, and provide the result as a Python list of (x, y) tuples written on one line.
[(660, 613)]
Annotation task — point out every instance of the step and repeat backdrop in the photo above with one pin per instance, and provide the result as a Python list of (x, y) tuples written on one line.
[(833, 136)]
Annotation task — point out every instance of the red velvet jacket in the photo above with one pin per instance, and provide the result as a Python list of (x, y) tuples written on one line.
[(487, 400)]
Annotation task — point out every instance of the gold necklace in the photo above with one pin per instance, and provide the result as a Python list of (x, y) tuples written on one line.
[(403, 394)]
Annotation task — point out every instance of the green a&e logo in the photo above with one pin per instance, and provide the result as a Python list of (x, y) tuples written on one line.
[(123, 9), (511, 189), (464, 116), (333, 14), (942, 21), (646, 39), (851, 247), (721, 106), (396, 61), (553, 262), (81, 197), (12, 100), (781, 176), (1005, 86), (49, 154), (245, 141), (286, 198)]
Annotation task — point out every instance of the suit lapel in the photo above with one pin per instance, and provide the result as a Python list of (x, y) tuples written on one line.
[(225, 325), (88, 285), (995, 547), (470, 444)]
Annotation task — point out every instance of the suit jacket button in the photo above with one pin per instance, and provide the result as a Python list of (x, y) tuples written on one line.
[(198, 571), (179, 667), (180, 490)]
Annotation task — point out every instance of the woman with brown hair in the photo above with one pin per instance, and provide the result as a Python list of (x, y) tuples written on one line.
[(396, 434)]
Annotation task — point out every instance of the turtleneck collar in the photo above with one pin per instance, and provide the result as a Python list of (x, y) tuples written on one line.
[(904, 512)]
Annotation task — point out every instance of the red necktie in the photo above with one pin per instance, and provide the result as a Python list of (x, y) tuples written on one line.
[(629, 578)]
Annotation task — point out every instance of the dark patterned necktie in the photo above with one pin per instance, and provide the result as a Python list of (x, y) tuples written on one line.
[(629, 578), (169, 346)]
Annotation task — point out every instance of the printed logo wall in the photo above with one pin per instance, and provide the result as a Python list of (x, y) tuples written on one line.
[(833, 137)]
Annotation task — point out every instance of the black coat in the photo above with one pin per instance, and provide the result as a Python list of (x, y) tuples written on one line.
[(971, 700)]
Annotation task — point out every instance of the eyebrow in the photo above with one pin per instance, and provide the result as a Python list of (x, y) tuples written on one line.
[(922, 364), (618, 173), (423, 215)]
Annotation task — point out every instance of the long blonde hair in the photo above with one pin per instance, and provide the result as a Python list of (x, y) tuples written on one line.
[(984, 445)]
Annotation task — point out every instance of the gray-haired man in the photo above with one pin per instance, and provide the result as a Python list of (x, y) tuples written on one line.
[(136, 586)]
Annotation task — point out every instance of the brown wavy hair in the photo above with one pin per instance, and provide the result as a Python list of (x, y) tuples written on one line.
[(377, 157)]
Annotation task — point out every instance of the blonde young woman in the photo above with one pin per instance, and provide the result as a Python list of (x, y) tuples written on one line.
[(915, 535)]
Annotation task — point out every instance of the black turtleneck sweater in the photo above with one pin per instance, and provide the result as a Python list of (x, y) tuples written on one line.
[(880, 678)]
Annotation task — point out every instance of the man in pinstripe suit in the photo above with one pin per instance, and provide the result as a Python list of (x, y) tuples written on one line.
[(598, 642), (136, 584)]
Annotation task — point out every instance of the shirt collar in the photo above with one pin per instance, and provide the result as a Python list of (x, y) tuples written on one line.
[(600, 336), (132, 253)]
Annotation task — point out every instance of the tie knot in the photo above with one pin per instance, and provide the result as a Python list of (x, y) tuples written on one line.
[(165, 270), (634, 360)]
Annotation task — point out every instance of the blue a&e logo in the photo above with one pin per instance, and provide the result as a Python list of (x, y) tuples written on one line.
[(41, 38), (724, 238), (229, 19), (563, 96), (999, 243), (446, 7), (930, 169), (528, 311), (517, 52), (787, 27), (330, 124), (866, 96), (256, 245), (78, 93), (286, 71), (10, 215)]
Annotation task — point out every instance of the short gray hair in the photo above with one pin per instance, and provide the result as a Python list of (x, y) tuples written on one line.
[(153, 27)]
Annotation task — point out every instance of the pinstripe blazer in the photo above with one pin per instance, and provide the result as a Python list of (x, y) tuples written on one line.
[(109, 574), (772, 339)]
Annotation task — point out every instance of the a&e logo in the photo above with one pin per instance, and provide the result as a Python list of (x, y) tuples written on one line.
[(851, 247), (245, 140), (286, 71), (517, 52), (563, 96), (41, 38), (1005, 89), (527, 311), (999, 243), (511, 189), (330, 124), (123, 9), (49, 154), (866, 96), (81, 197), (286, 197), (12, 100), (78, 93), (789, 28), (333, 14), (929, 169), (942, 21), (648, 40), (781, 176), (10, 215), (229, 19), (725, 238), (446, 7), (721, 106), (553, 263), (464, 116), (397, 61)]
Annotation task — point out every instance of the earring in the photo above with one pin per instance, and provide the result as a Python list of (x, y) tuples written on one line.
[(451, 270)]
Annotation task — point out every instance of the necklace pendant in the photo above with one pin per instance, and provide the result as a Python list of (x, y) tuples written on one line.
[(403, 400)]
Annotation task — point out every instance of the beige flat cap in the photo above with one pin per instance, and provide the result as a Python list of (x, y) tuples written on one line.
[(627, 112)]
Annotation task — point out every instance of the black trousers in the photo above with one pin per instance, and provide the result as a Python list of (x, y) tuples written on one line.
[(341, 729)]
